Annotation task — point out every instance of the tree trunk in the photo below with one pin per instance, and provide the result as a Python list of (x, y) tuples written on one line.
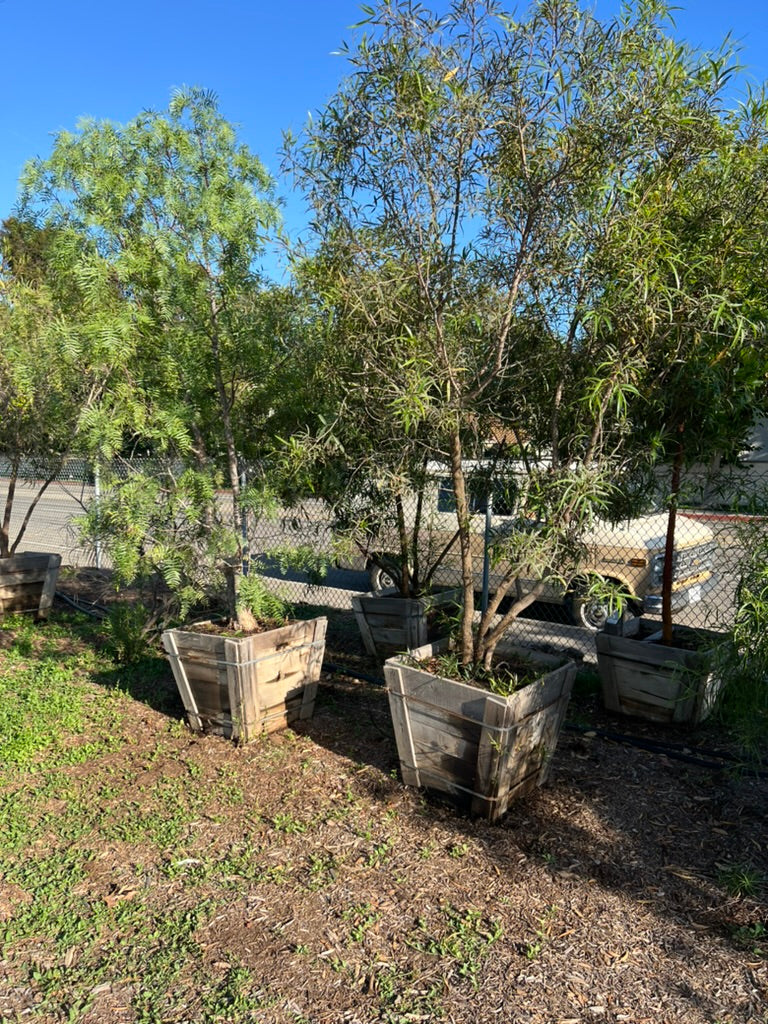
[(5, 529), (467, 573), (242, 616)]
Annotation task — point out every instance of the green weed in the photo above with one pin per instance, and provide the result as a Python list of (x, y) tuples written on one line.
[(286, 822), (322, 870), (379, 855), (403, 997), (740, 879), (753, 938), (237, 997), (534, 947), (465, 940), (361, 917)]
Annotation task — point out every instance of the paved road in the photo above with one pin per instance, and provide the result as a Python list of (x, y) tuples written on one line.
[(51, 529)]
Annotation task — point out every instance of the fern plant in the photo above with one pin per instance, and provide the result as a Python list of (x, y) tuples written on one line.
[(261, 603)]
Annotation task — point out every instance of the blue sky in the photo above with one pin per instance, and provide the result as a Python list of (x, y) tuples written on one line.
[(270, 63)]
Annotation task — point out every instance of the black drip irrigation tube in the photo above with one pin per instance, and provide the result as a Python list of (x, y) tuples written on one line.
[(674, 751), (96, 611)]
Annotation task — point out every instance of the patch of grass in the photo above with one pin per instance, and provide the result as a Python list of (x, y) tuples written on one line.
[(42, 707), (38, 706), (360, 917), (235, 998), (753, 937), (464, 940), (740, 879), (404, 997)]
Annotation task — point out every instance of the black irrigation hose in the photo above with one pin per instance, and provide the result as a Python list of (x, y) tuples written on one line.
[(341, 670), (674, 751), (98, 613)]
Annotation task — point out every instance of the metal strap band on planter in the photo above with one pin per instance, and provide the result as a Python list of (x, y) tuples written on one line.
[(410, 699), (455, 785), (265, 657)]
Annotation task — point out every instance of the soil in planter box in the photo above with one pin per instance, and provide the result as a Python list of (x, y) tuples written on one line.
[(680, 642), (225, 629), (505, 677)]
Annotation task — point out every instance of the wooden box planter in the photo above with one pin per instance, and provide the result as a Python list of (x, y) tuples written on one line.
[(28, 582), (242, 687), (390, 624), (482, 749), (641, 677)]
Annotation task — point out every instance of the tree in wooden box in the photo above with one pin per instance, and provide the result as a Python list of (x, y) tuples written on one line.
[(169, 538), (390, 623), (482, 748), (643, 676), (243, 686), (694, 306)]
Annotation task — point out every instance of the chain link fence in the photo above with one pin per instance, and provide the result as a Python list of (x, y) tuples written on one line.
[(712, 538)]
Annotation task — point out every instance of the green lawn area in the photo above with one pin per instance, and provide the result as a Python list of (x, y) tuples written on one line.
[(149, 874)]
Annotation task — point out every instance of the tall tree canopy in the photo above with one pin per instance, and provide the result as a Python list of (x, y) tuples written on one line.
[(68, 341), (478, 183), (181, 210)]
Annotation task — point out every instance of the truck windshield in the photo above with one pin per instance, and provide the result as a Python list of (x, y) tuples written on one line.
[(502, 493)]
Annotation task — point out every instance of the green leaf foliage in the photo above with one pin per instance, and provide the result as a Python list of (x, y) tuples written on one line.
[(524, 231)]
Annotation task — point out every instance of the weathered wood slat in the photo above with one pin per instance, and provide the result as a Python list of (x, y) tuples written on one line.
[(650, 680), (182, 683), (28, 582), (464, 741), (244, 686), (390, 625), (27, 561), (22, 597), (444, 769), (314, 666), (49, 586), (21, 578), (489, 756)]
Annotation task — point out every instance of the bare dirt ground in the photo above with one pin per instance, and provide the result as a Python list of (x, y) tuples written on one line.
[(631, 889)]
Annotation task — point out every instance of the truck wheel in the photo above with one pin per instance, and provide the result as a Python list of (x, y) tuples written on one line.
[(588, 612), (383, 579), (591, 612)]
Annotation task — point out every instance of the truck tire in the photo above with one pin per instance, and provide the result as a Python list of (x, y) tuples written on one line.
[(588, 612), (382, 579)]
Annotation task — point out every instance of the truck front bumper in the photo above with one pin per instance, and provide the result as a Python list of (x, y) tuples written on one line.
[(686, 597)]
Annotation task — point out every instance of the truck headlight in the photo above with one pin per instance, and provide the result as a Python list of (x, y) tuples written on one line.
[(657, 568)]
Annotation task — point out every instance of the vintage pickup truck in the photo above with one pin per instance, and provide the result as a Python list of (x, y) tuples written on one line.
[(629, 555)]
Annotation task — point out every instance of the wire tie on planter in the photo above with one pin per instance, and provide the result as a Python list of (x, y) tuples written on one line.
[(409, 698), (255, 661), (455, 785)]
